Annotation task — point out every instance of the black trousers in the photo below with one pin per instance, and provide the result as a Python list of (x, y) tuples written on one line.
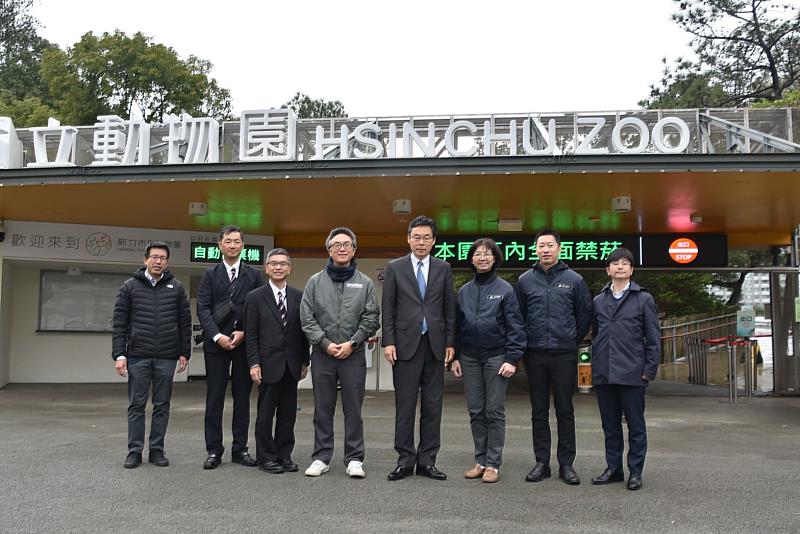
[(277, 402), (219, 368), (556, 372), (423, 376), (613, 401)]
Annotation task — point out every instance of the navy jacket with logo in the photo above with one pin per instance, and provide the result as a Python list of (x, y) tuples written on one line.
[(626, 338), (556, 308), (489, 322)]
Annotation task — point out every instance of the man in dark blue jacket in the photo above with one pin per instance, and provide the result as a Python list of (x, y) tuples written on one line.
[(150, 336), (555, 304), (626, 350)]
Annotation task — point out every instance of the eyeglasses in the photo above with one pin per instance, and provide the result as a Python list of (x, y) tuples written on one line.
[(344, 246), (482, 255), (621, 263), (158, 258), (421, 238), (281, 264)]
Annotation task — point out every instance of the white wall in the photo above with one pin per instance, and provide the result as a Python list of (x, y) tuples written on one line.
[(58, 357), (5, 323), (79, 357)]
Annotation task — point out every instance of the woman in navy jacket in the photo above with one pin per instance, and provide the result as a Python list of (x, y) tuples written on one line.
[(490, 341), (626, 351)]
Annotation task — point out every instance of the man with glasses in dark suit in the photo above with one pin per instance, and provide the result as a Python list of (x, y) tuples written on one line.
[(419, 325)]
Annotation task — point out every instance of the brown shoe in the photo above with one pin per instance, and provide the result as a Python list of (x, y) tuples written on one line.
[(475, 472), (491, 475)]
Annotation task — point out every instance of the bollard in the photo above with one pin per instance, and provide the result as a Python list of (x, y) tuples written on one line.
[(748, 368), (733, 392)]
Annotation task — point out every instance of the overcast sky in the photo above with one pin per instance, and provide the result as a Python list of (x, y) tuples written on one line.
[(431, 57)]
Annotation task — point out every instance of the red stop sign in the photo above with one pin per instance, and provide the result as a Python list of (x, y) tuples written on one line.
[(683, 250)]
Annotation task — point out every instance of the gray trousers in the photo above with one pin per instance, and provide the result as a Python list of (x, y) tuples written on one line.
[(142, 373), (326, 373), (485, 391)]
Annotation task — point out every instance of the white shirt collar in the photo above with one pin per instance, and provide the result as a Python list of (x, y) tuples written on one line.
[(153, 281), (624, 289), (236, 266), (426, 261), (275, 291)]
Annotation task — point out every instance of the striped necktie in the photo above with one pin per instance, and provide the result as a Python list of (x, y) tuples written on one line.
[(282, 308)]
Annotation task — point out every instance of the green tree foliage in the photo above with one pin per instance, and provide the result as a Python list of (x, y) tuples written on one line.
[(791, 99), (30, 111), (23, 93), (307, 108), (20, 51), (747, 51), (121, 75)]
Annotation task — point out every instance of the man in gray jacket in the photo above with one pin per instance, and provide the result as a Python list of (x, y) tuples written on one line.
[(339, 312)]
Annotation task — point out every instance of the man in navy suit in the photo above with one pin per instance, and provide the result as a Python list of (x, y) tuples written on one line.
[(419, 323), (220, 308), (277, 352)]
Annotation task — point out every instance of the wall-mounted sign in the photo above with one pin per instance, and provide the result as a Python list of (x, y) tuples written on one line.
[(210, 253), (685, 250), (107, 244), (591, 251)]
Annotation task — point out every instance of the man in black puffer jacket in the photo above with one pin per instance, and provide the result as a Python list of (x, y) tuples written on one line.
[(557, 310), (150, 336)]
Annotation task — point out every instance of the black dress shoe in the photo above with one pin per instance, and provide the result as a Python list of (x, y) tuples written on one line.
[(634, 482), (400, 472), (134, 459), (609, 477), (243, 458), (213, 461), (539, 472), (288, 465), (158, 458), (568, 475), (430, 471), (271, 467)]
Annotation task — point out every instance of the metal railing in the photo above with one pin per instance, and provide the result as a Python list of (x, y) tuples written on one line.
[(676, 345)]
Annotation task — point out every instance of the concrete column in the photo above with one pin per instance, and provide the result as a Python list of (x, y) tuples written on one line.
[(5, 321)]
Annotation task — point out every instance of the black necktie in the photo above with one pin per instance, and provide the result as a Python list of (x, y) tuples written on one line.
[(233, 273), (282, 308)]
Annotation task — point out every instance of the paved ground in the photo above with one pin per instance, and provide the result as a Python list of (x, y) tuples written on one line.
[(712, 467)]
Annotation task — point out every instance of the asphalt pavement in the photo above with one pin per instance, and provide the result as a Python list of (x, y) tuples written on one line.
[(711, 467)]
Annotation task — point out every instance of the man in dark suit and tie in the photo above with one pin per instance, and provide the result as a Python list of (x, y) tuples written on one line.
[(220, 308), (419, 313), (277, 352)]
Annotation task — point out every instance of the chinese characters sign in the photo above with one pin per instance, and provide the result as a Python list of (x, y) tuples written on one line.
[(210, 253), (277, 135), (520, 251), (586, 251)]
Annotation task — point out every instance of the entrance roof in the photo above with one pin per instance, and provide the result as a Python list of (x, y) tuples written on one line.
[(751, 197)]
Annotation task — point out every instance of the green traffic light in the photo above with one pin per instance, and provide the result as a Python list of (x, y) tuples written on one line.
[(585, 357)]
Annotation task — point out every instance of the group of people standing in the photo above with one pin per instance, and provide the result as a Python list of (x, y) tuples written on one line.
[(271, 334)]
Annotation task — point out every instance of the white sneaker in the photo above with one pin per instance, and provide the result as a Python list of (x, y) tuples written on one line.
[(355, 469), (317, 468)]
